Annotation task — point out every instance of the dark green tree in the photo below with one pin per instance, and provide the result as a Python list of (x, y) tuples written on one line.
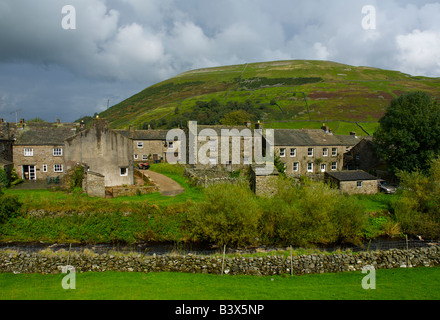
[(408, 137)]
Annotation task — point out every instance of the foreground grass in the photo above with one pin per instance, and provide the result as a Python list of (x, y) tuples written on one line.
[(392, 284)]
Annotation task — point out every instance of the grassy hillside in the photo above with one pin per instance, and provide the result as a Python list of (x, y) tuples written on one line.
[(334, 92)]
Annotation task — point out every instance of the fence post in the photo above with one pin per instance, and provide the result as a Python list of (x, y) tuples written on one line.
[(291, 262), (407, 251), (223, 261)]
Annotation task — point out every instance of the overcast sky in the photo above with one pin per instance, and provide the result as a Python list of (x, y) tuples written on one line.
[(119, 47)]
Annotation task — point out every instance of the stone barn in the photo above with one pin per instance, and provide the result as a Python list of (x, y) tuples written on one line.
[(353, 182)]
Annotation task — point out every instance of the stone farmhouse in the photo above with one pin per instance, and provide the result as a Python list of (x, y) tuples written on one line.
[(38, 149), (308, 152)]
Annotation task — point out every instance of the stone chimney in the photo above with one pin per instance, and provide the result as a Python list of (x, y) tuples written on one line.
[(258, 125)]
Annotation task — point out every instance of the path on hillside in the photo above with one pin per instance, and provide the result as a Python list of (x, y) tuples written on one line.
[(167, 186)]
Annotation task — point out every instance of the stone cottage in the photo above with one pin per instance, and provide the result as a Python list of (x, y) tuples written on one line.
[(150, 145), (38, 149), (307, 152)]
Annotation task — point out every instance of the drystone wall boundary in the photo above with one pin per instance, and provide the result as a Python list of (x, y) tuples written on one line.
[(53, 262)]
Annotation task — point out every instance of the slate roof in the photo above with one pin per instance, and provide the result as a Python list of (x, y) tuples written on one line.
[(301, 137), (40, 135), (144, 134), (354, 175)]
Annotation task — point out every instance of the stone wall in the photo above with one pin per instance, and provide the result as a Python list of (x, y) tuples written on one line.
[(208, 177), (351, 187), (50, 262)]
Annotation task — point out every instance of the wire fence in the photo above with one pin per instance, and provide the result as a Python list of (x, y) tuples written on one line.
[(401, 244)]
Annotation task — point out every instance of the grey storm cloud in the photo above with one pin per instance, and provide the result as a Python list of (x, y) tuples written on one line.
[(122, 46)]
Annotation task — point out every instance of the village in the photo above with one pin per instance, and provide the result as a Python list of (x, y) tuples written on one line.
[(111, 158)]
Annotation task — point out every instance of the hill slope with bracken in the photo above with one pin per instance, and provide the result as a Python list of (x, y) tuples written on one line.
[(281, 93)]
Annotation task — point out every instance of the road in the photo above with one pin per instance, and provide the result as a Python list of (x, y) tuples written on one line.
[(167, 186)]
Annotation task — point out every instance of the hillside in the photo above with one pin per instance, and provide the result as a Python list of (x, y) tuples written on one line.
[(274, 92)]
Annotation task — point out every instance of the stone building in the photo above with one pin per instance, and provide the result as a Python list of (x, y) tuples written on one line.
[(222, 146), (311, 151), (150, 145), (353, 182), (38, 149), (104, 151)]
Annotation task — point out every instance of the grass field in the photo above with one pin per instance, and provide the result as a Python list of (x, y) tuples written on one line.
[(392, 284)]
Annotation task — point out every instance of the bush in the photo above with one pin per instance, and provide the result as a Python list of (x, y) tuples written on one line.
[(228, 216), (9, 207), (311, 214), (418, 208)]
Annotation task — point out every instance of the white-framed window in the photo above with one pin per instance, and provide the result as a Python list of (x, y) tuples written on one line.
[(293, 152), (310, 152), (323, 167), (334, 166), (144, 157), (359, 184), (334, 152), (136, 157), (140, 144), (325, 152), (282, 152), (28, 152), (57, 152), (295, 166), (57, 168), (310, 167), (123, 172), (44, 167), (171, 145), (347, 149)]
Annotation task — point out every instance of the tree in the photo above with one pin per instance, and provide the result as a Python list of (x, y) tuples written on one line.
[(234, 118), (408, 137)]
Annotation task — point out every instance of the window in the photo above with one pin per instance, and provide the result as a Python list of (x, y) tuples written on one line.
[(357, 157), (170, 145), (310, 167), (136, 157), (295, 166), (28, 152), (359, 184), (347, 149), (334, 152), (57, 152), (282, 152), (140, 144), (124, 172), (144, 157), (58, 168), (334, 166), (325, 152), (44, 167), (310, 152), (323, 167), (292, 152)]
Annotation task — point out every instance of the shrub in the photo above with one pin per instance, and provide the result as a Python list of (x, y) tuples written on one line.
[(9, 207), (228, 216), (4, 180), (418, 208), (310, 214)]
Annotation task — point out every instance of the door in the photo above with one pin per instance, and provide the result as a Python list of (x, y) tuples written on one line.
[(29, 173)]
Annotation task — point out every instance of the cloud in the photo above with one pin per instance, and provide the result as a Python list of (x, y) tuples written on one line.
[(136, 43), (419, 52)]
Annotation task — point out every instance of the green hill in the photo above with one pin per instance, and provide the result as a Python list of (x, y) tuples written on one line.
[(273, 92)]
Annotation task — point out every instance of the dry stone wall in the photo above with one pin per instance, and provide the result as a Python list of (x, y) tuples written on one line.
[(52, 263)]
